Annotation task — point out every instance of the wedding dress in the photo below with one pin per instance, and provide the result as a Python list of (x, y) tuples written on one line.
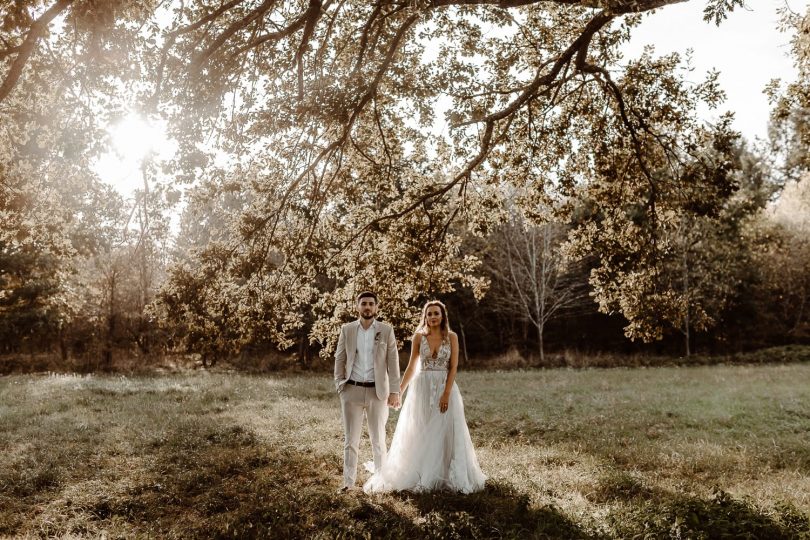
[(430, 450)]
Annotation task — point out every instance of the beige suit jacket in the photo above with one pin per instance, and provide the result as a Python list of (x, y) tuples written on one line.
[(386, 358)]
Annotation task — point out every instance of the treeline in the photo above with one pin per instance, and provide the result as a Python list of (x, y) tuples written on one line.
[(79, 267), (576, 200), (744, 281), (83, 286)]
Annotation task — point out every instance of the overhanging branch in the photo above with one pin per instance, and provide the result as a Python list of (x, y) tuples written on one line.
[(27, 47)]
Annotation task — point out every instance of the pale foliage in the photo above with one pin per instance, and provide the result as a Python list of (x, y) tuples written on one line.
[(792, 209), (307, 127)]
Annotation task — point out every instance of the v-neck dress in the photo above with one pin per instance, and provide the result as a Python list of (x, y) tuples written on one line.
[(430, 450)]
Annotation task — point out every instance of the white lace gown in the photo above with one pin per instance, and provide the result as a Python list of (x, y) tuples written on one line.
[(430, 450)]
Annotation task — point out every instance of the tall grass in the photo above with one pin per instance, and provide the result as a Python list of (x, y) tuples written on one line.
[(685, 452)]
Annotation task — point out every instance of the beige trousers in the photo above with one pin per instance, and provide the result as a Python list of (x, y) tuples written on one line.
[(356, 402)]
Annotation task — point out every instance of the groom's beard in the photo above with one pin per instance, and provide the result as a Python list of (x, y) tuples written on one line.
[(367, 316)]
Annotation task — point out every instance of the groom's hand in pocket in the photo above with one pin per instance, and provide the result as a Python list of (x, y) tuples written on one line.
[(393, 401)]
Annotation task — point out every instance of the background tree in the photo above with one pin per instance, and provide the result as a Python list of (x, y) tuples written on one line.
[(33, 269), (783, 259), (790, 116), (530, 279), (711, 259), (782, 229)]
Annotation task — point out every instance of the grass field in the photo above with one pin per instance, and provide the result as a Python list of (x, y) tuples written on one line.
[(698, 452)]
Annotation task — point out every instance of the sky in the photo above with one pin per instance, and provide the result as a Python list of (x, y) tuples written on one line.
[(747, 49)]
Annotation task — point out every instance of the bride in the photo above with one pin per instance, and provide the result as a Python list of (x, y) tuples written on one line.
[(431, 448)]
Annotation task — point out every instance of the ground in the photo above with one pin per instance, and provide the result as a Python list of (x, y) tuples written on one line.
[(669, 452)]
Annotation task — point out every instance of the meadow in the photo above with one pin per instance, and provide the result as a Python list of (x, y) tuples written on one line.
[(668, 452)]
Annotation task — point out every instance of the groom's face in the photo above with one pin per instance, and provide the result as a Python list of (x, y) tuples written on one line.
[(367, 307)]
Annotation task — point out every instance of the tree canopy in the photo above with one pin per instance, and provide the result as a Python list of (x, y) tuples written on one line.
[(341, 145)]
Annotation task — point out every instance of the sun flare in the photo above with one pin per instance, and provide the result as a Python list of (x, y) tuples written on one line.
[(133, 137)]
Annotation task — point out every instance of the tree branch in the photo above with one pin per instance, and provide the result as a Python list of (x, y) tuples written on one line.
[(617, 93), (593, 26), (199, 60), (26, 49), (311, 16), (362, 102), (616, 7), (583, 40), (172, 36)]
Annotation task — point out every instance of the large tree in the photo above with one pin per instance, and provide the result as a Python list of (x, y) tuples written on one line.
[(321, 116), (328, 108)]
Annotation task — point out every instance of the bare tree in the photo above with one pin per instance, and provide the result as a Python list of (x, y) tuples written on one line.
[(531, 280)]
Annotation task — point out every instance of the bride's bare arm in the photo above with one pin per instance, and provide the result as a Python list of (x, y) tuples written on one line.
[(444, 401), (412, 363)]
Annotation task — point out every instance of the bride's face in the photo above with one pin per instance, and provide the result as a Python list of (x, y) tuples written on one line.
[(434, 317)]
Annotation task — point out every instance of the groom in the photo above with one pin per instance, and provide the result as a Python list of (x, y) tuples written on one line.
[(367, 380)]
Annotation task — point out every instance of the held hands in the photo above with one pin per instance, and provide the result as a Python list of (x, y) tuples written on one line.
[(393, 401), (444, 402)]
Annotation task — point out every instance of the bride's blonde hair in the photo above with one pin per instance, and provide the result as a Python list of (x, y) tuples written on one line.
[(445, 324)]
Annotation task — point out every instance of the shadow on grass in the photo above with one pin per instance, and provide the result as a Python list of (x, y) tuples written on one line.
[(207, 479), (499, 511), (642, 512), (223, 483)]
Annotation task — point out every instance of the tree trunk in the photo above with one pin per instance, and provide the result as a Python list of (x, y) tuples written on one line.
[(463, 342), (686, 296), (686, 335), (63, 348), (540, 329), (304, 355), (107, 353)]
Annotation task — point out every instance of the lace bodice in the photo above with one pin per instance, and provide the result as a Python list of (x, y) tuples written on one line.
[(442, 359)]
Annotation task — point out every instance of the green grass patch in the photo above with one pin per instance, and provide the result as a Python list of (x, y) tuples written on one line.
[(670, 452)]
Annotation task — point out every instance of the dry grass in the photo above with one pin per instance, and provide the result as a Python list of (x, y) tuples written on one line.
[(514, 359), (665, 452)]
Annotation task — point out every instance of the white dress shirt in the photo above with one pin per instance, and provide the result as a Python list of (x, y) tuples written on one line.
[(363, 367)]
